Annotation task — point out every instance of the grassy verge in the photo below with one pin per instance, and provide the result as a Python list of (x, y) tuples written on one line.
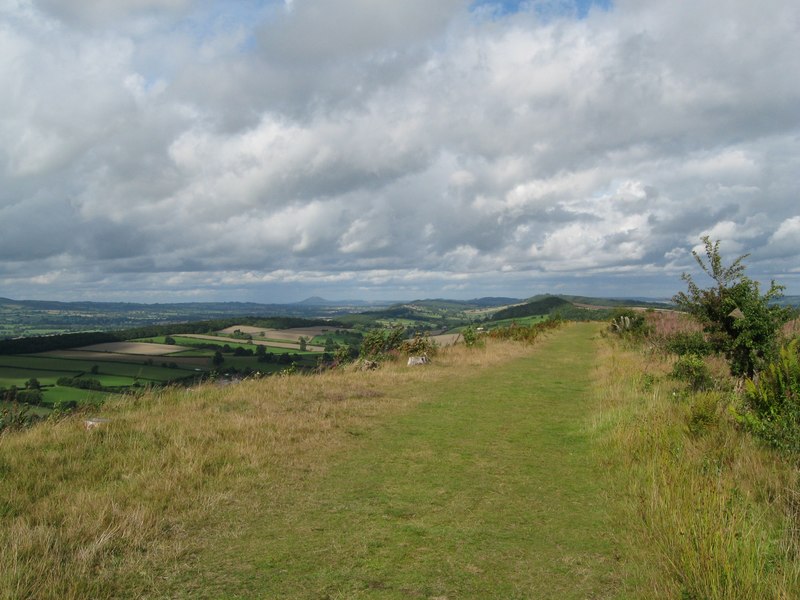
[(713, 515)]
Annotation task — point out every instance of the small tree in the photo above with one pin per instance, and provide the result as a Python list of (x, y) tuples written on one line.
[(739, 321), (218, 359), (378, 343), (303, 343)]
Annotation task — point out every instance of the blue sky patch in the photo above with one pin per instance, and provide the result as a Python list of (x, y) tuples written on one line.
[(544, 8)]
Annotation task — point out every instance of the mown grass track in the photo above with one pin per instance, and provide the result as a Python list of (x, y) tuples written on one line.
[(488, 488)]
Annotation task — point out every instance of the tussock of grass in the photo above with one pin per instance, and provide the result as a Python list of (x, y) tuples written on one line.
[(714, 513), (109, 512)]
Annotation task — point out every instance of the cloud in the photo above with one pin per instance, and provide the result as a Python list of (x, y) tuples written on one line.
[(185, 146)]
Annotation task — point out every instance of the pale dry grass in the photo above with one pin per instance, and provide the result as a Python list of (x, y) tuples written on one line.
[(109, 512), (791, 329), (714, 513), (666, 323)]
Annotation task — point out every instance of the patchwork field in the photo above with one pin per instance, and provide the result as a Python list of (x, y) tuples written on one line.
[(87, 374)]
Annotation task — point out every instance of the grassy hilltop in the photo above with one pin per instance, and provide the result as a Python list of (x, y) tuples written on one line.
[(574, 467)]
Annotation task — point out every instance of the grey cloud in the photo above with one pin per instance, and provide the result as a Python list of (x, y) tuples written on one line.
[(406, 145), (101, 13)]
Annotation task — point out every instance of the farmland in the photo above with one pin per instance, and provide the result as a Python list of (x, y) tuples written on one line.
[(86, 367), (90, 374)]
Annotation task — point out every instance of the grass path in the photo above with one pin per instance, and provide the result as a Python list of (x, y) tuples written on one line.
[(488, 488)]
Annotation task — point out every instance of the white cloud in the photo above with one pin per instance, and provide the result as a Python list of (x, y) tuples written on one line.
[(209, 139)]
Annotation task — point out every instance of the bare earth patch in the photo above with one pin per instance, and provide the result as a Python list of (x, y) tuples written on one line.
[(140, 348), (447, 339)]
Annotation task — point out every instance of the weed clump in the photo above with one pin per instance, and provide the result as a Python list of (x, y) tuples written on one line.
[(703, 413), (693, 370)]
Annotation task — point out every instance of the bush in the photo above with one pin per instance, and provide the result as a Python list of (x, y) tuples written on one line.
[(772, 401), (420, 345), (524, 333), (693, 370), (628, 322), (83, 383), (685, 342), (30, 396), (737, 318), (378, 344), (471, 337), (16, 416)]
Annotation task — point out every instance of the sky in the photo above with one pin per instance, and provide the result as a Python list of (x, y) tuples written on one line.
[(271, 150)]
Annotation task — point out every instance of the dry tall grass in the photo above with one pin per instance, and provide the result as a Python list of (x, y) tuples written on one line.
[(714, 515), (110, 512)]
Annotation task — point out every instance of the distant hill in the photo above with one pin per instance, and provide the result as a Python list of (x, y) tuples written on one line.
[(490, 302), (789, 301), (540, 307), (607, 302)]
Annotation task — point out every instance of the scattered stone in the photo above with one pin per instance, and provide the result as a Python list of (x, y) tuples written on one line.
[(413, 361)]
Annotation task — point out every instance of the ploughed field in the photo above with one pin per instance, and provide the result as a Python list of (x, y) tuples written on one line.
[(89, 374)]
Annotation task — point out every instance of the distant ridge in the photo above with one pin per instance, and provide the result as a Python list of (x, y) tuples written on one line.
[(314, 301), (540, 307)]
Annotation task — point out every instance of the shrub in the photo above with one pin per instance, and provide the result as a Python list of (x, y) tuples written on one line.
[(524, 333), (420, 345), (688, 342), (629, 323), (738, 319), (15, 416), (379, 343), (471, 337), (693, 370), (772, 401), (30, 396), (84, 383)]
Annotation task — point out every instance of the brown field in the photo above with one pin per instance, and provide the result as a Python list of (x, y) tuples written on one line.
[(447, 339), (140, 348)]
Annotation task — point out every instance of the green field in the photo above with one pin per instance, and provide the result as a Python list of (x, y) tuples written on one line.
[(25, 364), (17, 376), (66, 394)]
